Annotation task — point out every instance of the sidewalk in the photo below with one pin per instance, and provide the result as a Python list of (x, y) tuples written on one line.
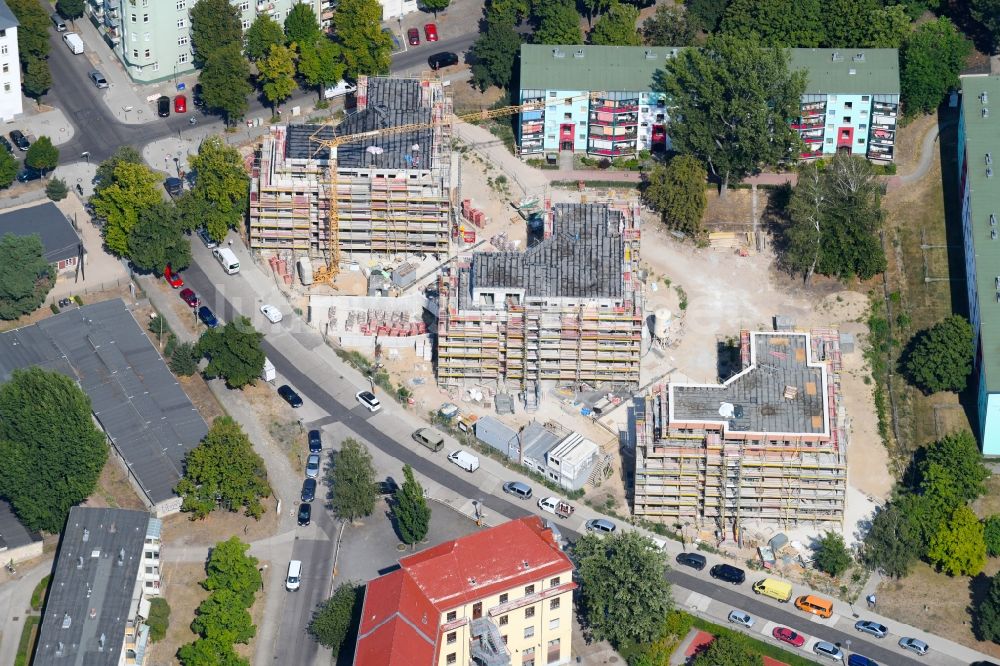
[(48, 121), (15, 602)]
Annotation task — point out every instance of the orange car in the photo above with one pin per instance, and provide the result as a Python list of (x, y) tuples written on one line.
[(815, 605)]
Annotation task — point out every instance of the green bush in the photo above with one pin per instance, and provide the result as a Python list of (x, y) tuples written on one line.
[(79, 301), (159, 619), (24, 645), (39, 593), (54, 308)]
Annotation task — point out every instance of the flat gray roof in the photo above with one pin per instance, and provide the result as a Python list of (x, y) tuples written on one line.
[(537, 440), (92, 595), (59, 238), (7, 18), (133, 394), (12, 533), (781, 391)]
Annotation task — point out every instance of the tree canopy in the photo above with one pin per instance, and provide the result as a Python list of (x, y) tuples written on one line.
[(222, 617), (832, 555), (225, 81), (51, 453), (262, 34), (209, 652), (951, 472), (986, 619), (413, 516), (558, 23), (215, 25), (930, 59), (42, 155), (353, 481), (301, 26), (231, 568), (224, 471), (158, 239), (813, 23), (332, 618), (958, 548), (220, 191), (705, 14), (732, 101), (495, 52), (677, 192), (36, 79), (616, 27), (987, 13), (669, 25), (25, 277), (893, 543), (56, 189), (8, 169), (729, 649), (364, 47), (71, 9), (940, 357), (105, 176), (991, 535), (320, 63), (276, 72), (624, 595), (435, 5), (234, 353), (130, 189)]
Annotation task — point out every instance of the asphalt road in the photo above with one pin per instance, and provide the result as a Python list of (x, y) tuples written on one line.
[(415, 58)]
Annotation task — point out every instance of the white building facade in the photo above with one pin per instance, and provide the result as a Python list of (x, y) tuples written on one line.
[(10, 66)]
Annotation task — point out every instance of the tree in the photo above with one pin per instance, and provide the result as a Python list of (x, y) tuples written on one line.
[(353, 481), (732, 101), (225, 81), (729, 649), (184, 360), (952, 472), (25, 276), (668, 26), (624, 594), (991, 535), (413, 516), (301, 26), (8, 169), (986, 619), (864, 23), (221, 188), (617, 27), (215, 25), (42, 155), (594, 8), (262, 34), (223, 471), (234, 353), (832, 555), (222, 617), (365, 48), (987, 12), (436, 5), (677, 192), (46, 427), (277, 72), (784, 23), (37, 77), (332, 618), (56, 189), (958, 548), (940, 357), (157, 239), (159, 619), (930, 59), (209, 652), (133, 188), (705, 14), (71, 9), (33, 31), (495, 53), (106, 170), (892, 544), (230, 568), (320, 64), (558, 23)]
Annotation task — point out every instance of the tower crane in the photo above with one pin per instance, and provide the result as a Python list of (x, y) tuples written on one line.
[(328, 273)]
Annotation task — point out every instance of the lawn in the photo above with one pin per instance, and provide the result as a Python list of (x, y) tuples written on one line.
[(27, 643), (38, 594), (762, 648)]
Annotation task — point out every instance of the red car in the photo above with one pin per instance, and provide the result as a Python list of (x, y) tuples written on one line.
[(431, 32), (180, 104), (413, 37), (189, 297), (173, 279), (786, 635)]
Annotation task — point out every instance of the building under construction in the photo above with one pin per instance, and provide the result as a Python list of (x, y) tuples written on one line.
[(393, 190), (768, 445), (567, 310)]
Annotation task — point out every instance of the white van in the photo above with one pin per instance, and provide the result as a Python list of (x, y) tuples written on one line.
[(74, 42), (342, 88), (294, 579), (227, 259), (465, 460), (268, 374)]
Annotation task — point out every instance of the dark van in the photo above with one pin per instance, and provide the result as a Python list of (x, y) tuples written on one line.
[(443, 59), (693, 560), (728, 573)]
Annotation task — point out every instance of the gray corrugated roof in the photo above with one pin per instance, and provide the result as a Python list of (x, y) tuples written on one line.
[(136, 399), (12, 533), (93, 598), (58, 237), (537, 440), (7, 18), (848, 71)]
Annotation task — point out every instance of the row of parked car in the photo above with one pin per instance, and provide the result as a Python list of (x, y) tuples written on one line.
[(808, 603)]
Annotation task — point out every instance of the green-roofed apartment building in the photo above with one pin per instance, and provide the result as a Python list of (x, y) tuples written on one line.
[(979, 183), (600, 100)]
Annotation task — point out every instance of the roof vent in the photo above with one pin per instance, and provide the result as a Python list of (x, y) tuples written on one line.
[(121, 556), (100, 643), (558, 53), (578, 53), (989, 172), (60, 648), (852, 71), (650, 55), (86, 536), (837, 57), (423, 620), (993, 234), (524, 563), (472, 580), (858, 57), (79, 562), (984, 97), (989, 159), (993, 219), (67, 621), (986, 113)]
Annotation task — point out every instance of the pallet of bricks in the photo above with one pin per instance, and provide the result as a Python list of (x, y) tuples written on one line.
[(392, 324), (473, 215)]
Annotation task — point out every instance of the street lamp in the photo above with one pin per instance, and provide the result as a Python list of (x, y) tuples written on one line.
[(177, 166), (86, 155)]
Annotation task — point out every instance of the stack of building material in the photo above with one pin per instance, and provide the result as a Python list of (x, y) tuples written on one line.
[(473, 215)]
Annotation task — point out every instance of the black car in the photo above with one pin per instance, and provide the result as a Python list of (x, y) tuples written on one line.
[(289, 395), (443, 59), (196, 97), (728, 573), (21, 141), (305, 514), (29, 174), (163, 106), (693, 560), (207, 317), (309, 490), (6, 144), (315, 441), (387, 487), (174, 186)]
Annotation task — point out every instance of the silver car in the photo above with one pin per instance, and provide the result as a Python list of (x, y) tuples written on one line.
[(312, 466), (600, 526), (914, 645), (98, 79), (874, 628), (741, 618), (828, 650)]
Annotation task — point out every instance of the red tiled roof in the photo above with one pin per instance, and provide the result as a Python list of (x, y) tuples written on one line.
[(399, 625)]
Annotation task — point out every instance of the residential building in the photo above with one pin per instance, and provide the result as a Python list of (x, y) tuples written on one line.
[(10, 66), (568, 310), (560, 455), (978, 146), (768, 445), (17, 542), (105, 573), (137, 401), (499, 597), (602, 100), (152, 38), (60, 242), (393, 191)]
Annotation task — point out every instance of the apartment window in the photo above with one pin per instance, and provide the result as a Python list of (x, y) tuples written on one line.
[(848, 105), (553, 651), (864, 98), (451, 659), (180, 23), (245, 5), (146, 36), (150, 555), (6, 87), (530, 589), (862, 127), (503, 598), (6, 68), (145, 3), (452, 637), (182, 40), (132, 38), (246, 24), (529, 631), (3, 49), (503, 621), (861, 140), (181, 5), (450, 617), (833, 98), (554, 624), (567, 116), (146, 54), (829, 140), (529, 612), (864, 114), (133, 18), (552, 94), (135, 54), (554, 604), (847, 119), (554, 582), (156, 66), (582, 123), (145, 18), (182, 58), (3, 33)]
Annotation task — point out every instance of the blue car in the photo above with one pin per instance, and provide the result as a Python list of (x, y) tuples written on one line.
[(207, 318), (860, 660)]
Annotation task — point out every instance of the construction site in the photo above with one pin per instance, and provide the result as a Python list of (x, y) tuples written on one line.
[(769, 445)]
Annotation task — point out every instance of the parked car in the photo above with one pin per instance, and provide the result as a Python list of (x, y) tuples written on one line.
[(309, 490), (206, 239), (207, 317), (59, 22), (694, 560), (741, 618), (180, 104), (431, 32), (830, 650), (289, 395), (874, 628), (21, 141), (173, 186), (517, 489), (443, 59), (315, 441), (196, 96), (786, 635), (97, 78), (305, 514), (28, 174), (413, 37), (272, 313), (6, 144), (163, 106), (189, 297), (368, 399), (601, 526), (387, 487), (914, 645), (312, 466), (172, 278), (728, 573), (861, 660), (548, 504)]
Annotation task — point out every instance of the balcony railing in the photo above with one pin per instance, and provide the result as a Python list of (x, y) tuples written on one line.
[(488, 648)]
